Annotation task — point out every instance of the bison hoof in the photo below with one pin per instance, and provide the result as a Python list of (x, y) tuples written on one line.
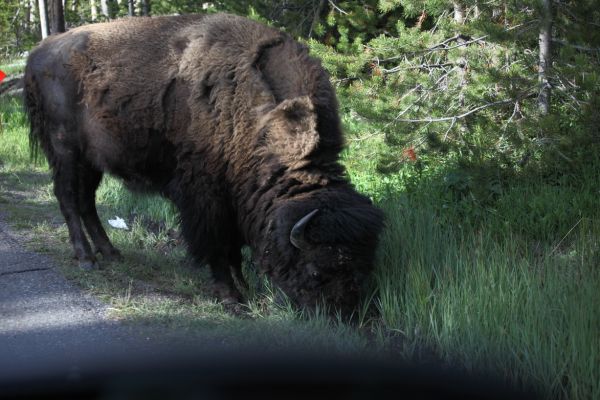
[(234, 307), (88, 265), (112, 255)]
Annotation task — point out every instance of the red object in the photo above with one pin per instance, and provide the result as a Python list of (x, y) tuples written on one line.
[(2, 76), (410, 154)]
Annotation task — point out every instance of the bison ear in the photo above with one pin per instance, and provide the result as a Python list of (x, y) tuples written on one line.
[(291, 129)]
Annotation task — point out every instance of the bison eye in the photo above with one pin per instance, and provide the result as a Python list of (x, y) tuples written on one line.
[(312, 270)]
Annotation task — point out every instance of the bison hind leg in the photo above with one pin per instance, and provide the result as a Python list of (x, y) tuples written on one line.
[(89, 179), (66, 189)]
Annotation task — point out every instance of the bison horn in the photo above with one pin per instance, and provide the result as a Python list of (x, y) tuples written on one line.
[(297, 233)]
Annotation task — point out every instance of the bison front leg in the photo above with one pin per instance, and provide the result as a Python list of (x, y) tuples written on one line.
[(66, 189), (223, 284), (208, 225)]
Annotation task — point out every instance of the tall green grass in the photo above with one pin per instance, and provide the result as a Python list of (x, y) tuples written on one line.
[(494, 304), (112, 195), (14, 133)]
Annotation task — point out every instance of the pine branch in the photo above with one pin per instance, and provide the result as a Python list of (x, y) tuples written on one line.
[(337, 8), (418, 87), (456, 117), (450, 128), (474, 110), (9, 86), (468, 42), (422, 66), (445, 42), (576, 46), (438, 47)]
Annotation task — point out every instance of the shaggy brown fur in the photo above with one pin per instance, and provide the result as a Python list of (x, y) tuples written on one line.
[(231, 120)]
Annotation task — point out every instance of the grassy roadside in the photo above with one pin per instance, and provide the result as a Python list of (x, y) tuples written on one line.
[(515, 293), (14, 67)]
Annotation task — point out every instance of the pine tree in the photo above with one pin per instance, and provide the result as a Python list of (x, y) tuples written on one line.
[(468, 81)]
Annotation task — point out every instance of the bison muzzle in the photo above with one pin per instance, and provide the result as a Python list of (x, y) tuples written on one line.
[(232, 121)]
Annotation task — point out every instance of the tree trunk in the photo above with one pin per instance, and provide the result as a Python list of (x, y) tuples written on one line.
[(545, 63), (316, 17), (27, 17), (131, 7), (57, 14), (43, 18), (459, 13), (93, 10), (32, 14), (104, 8), (17, 27), (146, 7)]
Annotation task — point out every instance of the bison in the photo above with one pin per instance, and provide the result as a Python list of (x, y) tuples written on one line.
[(232, 121)]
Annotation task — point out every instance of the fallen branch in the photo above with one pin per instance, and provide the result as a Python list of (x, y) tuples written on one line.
[(14, 92), (10, 85)]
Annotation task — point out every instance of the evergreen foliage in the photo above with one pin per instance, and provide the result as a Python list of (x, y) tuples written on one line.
[(464, 92), (15, 29)]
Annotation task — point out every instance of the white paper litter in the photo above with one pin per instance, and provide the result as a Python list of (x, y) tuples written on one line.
[(118, 223)]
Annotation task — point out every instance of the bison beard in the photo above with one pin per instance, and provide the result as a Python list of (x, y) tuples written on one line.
[(232, 121)]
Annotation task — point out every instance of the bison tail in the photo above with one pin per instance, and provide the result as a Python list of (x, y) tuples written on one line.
[(33, 103)]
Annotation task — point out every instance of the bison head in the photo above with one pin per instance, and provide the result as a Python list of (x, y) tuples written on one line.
[(320, 234), (323, 254)]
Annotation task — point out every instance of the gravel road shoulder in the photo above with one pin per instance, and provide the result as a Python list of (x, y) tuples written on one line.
[(46, 322)]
